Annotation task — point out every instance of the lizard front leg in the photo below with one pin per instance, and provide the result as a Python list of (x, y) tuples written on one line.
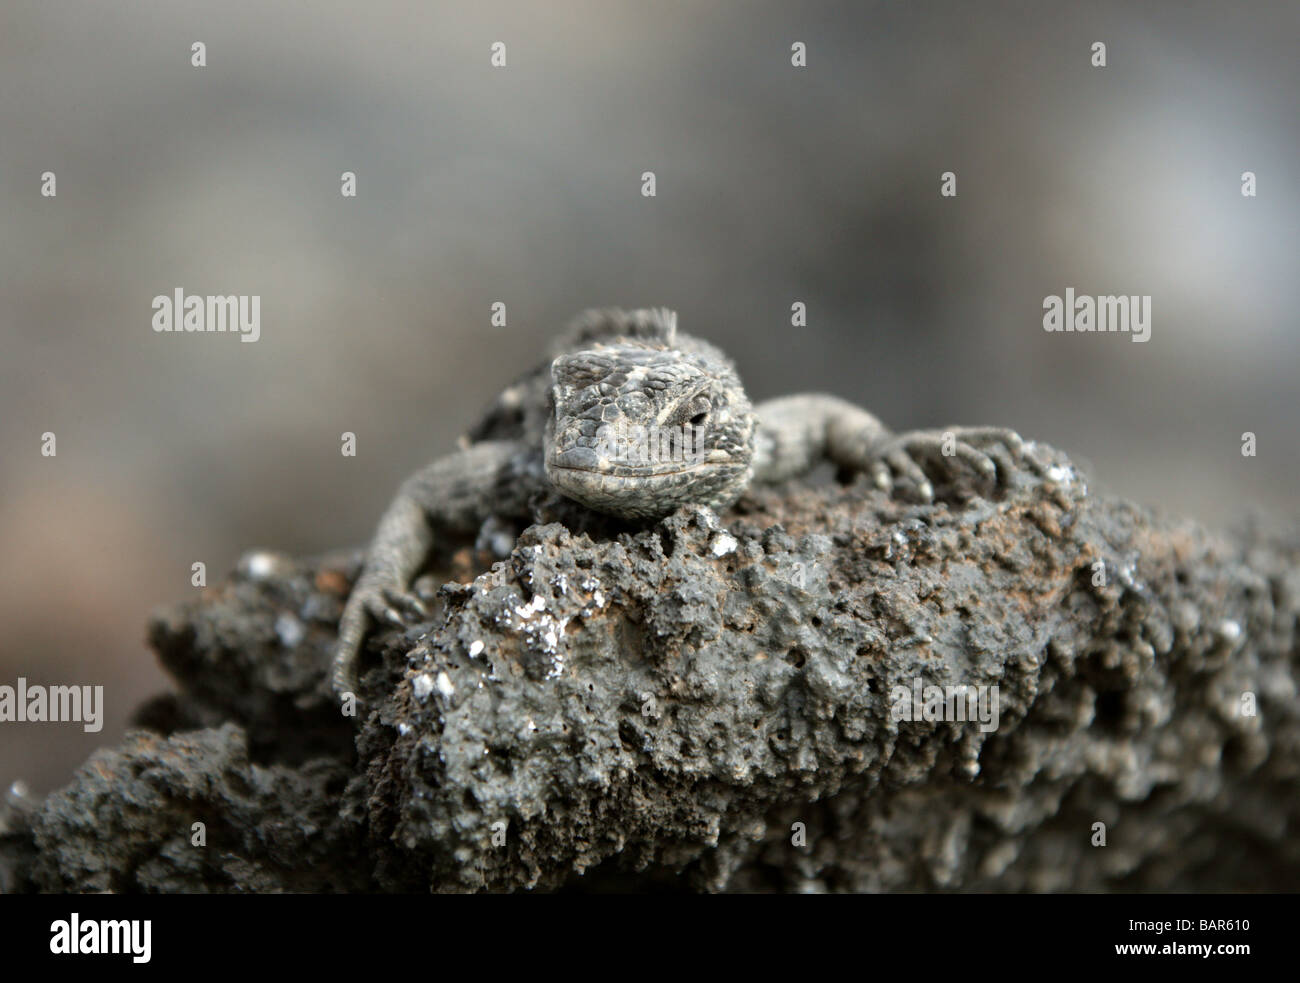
[(453, 494), (797, 432)]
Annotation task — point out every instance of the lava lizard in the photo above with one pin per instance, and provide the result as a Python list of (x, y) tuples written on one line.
[(578, 426)]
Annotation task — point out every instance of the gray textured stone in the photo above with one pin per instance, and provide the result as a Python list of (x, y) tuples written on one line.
[(668, 706)]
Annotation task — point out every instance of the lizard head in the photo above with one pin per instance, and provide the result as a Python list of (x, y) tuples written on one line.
[(640, 426)]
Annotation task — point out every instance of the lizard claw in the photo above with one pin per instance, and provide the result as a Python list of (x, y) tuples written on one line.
[(897, 470), (403, 605), (388, 603), (990, 454), (376, 598)]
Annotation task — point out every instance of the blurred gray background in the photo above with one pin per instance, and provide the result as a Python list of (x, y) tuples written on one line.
[(522, 185)]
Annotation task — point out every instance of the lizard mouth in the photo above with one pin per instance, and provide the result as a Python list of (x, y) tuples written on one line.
[(643, 489), (640, 492), (583, 461), (640, 472)]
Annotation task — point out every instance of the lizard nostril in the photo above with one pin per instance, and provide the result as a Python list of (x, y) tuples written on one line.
[(699, 419)]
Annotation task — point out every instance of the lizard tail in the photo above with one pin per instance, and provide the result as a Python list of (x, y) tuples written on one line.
[(352, 632)]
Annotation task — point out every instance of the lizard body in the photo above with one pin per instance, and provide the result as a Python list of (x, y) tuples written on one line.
[(634, 419)]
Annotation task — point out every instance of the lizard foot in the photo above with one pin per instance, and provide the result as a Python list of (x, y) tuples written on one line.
[(376, 598), (988, 454)]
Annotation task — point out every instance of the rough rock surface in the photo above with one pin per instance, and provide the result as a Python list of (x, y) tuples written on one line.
[(710, 703)]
